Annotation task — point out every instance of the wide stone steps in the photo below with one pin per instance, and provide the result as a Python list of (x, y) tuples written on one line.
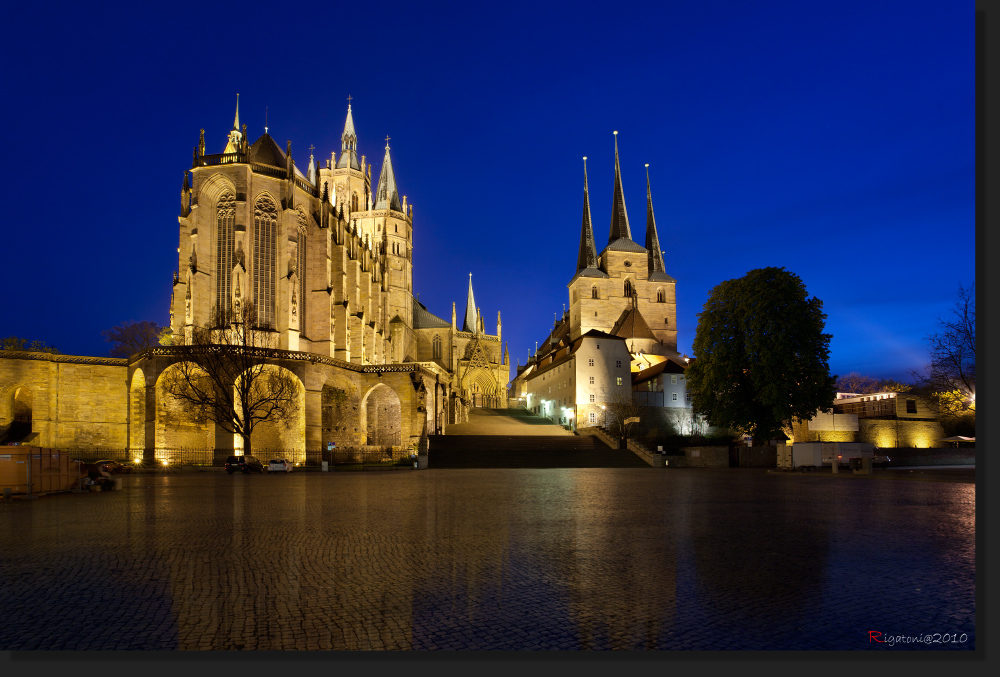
[(526, 451)]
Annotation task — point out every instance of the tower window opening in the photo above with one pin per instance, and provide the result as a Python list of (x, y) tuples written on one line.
[(594, 294), (629, 290), (660, 296)]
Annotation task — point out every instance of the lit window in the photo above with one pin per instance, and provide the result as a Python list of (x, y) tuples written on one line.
[(619, 380)]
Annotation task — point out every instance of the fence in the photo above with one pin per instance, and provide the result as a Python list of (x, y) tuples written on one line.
[(43, 470), (367, 455)]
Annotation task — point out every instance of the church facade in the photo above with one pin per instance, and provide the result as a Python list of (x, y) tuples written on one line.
[(323, 260), (622, 314)]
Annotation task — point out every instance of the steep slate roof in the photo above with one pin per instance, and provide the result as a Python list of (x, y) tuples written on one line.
[(424, 319), (632, 325), (265, 151), (386, 195), (625, 245)]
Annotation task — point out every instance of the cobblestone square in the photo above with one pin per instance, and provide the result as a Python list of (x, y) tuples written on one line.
[(522, 559)]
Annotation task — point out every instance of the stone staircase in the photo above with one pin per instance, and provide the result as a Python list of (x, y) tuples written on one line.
[(514, 438)]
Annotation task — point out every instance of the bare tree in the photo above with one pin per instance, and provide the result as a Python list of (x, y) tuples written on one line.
[(951, 376), (131, 337), (858, 383), (620, 406), (225, 376)]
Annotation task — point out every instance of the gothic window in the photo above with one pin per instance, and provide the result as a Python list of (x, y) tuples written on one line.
[(354, 202), (302, 280), (265, 246), (593, 292), (437, 347), (629, 289), (660, 296), (225, 220)]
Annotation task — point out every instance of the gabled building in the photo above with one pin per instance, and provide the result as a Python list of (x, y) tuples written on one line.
[(622, 294)]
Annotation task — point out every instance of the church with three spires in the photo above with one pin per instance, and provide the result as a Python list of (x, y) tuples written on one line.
[(621, 321)]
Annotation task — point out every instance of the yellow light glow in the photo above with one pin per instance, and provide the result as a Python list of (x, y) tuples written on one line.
[(165, 462)]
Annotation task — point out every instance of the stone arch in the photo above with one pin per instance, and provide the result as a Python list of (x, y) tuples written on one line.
[(482, 388), (285, 438), (177, 425), (381, 417), (339, 412), (137, 411), (16, 413)]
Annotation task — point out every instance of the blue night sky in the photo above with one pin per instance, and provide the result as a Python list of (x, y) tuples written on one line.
[(834, 139)]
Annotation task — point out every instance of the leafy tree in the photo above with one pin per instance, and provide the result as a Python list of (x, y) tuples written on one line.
[(226, 379), (762, 354), (892, 386), (131, 337), (18, 343), (951, 376)]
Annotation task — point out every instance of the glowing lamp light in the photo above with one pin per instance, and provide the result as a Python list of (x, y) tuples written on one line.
[(165, 462), (137, 461)]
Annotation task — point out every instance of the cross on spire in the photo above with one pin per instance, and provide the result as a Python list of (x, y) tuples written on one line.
[(312, 148), (348, 100), (387, 144)]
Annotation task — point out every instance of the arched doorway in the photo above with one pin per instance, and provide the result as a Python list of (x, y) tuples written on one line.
[(179, 427), (20, 416), (382, 419), (283, 437), (137, 412)]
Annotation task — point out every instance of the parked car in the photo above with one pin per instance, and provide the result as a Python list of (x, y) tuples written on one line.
[(245, 464), (279, 465), (114, 467)]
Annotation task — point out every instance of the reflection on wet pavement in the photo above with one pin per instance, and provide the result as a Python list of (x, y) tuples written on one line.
[(559, 559)]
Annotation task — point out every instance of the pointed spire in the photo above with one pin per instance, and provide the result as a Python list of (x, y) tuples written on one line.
[(588, 250), (471, 320), (652, 241), (453, 322), (349, 143), (235, 140), (619, 216), (386, 196)]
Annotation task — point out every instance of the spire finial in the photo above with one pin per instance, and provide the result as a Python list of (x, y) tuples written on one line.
[(236, 121), (349, 102), (265, 119), (387, 142)]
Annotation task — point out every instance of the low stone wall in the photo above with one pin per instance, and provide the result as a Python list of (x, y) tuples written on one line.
[(758, 457), (703, 457), (654, 460), (911, 457)]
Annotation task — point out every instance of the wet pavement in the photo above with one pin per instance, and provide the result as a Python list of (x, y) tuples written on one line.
[(524, 559)]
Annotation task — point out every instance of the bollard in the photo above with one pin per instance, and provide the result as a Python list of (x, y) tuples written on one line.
[(118, 484), (836, 465), (7, 493)]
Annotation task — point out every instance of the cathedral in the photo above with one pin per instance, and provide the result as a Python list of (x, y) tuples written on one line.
[(323, 260), (622, 298)]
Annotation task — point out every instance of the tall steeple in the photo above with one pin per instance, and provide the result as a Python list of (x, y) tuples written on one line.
[(235, 136), (386, 195), (349, 144), (471, 320), (588, 250), (619, 217), (652, 241)]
